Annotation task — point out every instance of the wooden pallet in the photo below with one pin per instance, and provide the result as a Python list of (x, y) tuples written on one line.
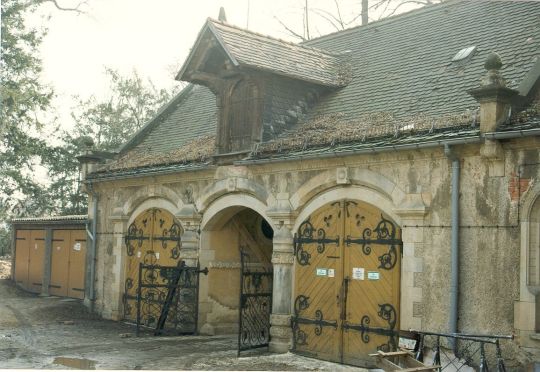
[(400, 361)]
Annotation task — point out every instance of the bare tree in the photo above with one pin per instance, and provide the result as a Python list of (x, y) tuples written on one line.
[(336, 18)]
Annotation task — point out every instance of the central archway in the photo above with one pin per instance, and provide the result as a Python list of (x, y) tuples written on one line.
[(225, 233)]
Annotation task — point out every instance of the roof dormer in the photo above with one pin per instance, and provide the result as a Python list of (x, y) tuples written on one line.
[(244, 69), (222, 50)]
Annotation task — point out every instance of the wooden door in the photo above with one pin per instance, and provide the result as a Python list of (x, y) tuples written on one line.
[(77, 264), (372, 247), (318, 283), (36, 257), (152, 239), (22, 257), (347, 272), (60, 263)]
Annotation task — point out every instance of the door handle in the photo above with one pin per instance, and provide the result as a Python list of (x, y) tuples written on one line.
[(345, 290)]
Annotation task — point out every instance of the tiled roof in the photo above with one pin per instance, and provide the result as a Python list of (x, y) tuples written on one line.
[(190, 115), (298, 61), (50, 219), (401, 69), (402, 65)]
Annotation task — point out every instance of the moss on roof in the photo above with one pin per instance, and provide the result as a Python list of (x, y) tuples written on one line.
[(197, 150)]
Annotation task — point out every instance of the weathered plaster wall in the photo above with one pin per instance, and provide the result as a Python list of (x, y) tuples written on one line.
[(413, 186)]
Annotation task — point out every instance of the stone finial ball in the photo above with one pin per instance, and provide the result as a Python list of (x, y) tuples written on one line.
[(493, 62)]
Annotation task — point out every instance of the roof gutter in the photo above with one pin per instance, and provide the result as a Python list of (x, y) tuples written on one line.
[(369, 150), (413, 146), (145, 173)]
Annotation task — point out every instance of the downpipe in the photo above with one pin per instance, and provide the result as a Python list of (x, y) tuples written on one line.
[(454, 253), (91, 256)]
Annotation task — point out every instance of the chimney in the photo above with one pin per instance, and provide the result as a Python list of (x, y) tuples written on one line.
[(494, 97), (88, 159), (222, 17)]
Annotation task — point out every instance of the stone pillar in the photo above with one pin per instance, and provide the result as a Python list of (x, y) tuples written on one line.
[(495, 101), (111, 267), (191, 221), (412, 212), (280, 320)]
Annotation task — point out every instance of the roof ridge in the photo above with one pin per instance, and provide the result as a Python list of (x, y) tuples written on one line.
[(255, 33), (424, 9)]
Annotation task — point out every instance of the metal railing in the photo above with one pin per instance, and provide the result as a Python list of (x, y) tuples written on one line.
[(469, 350)]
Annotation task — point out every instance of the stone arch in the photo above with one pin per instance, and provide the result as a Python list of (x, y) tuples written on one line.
[(152, 196), (233, 186), (365, 178), (526, 318), (229, 223), (225, 206), (368, 195)]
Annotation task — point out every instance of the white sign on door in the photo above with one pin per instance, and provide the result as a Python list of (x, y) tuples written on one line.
[(77, 246), (358, 273)]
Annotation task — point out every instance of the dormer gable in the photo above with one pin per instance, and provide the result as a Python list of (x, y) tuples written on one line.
[(221, 50), (244, 69)]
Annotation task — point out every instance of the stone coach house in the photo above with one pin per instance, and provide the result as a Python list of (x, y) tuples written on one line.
[(386, 175)]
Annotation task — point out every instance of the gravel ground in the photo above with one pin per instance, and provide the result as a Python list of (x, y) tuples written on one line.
[(56, 333)]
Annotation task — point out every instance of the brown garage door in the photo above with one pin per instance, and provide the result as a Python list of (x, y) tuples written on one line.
[(68, 259), (29, 255), (77, 264), (22, 258), (36, 256)]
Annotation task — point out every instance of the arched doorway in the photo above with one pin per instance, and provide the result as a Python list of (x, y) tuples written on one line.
[(347, 283), (153, 238), (229, 232)]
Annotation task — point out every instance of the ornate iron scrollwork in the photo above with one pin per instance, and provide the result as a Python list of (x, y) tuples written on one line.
[(301, 303), (128, 284), (255, 305), (134, 235), (306, 235), (385, 234), (168, 296), (173, 234), (386, 312)]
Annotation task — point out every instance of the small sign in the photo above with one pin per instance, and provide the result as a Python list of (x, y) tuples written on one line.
[(138, 254), (322, 272), (35, 246), (77, 246), (331, 273), (373, 275), (57, 248), (358, 273), (407, 343), (157, 255)]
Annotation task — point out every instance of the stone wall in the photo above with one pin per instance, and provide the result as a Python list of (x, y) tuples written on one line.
[(413, 187)]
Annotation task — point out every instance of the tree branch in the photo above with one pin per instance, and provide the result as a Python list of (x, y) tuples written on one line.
[(289, 30), (76, 9)]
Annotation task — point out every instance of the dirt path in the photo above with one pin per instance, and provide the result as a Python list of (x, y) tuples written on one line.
[(37, 332)]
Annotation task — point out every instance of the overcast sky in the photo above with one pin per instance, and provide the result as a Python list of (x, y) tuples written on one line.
[(152, 36)]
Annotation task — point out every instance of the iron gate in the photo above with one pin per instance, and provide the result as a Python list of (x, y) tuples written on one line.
[(255, 304), (167, 298)]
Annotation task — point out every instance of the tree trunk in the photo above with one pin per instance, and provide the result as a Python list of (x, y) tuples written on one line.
[(364, 12)]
